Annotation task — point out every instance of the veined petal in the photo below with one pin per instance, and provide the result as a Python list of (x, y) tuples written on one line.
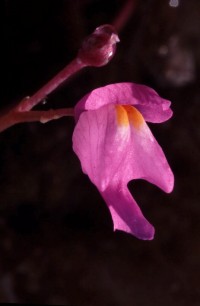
[(123, 148), (153, 108), (115, 145)]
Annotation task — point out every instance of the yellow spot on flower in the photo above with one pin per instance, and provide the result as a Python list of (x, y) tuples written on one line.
[(127, 114)]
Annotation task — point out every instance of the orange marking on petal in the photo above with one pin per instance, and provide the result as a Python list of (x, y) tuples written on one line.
[(127, 114), (122, 116), (135, 117)]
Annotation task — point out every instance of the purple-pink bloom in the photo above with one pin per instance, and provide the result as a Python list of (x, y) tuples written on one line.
[(115, 145)]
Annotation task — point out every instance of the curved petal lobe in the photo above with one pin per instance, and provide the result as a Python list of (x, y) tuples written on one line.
[(126, 214)]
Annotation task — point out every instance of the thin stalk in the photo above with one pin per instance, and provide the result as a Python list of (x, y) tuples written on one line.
[(28, 103), (14, 117)]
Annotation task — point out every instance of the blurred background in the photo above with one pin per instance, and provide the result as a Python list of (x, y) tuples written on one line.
[(56, 240)]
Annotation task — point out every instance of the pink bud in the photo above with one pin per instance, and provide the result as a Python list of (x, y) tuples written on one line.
[(99, 47)]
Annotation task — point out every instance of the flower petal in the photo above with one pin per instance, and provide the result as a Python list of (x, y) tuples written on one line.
[(110, 149), (115, 145), (153, 108), (126, 214)]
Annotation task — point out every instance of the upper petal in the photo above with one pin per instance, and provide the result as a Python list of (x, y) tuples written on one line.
[(153, 108)]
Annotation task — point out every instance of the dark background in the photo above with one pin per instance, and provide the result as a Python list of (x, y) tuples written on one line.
[(56, 239)]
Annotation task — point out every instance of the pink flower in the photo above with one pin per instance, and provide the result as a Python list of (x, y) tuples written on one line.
[(115, 145)]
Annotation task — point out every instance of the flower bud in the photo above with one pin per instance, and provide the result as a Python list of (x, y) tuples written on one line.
[(99, 47)]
